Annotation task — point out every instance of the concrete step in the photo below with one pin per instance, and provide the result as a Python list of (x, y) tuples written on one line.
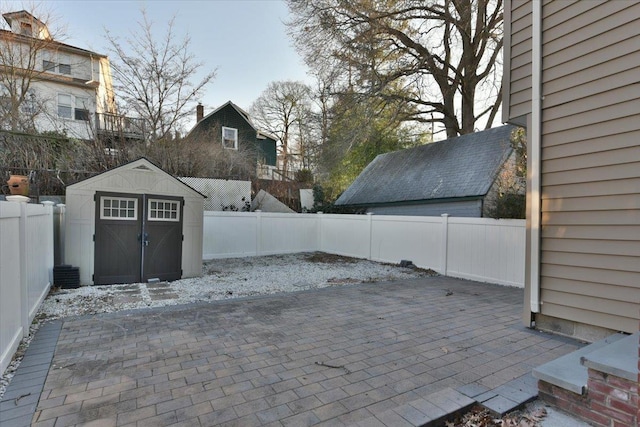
[(619, 358), (568, 372)]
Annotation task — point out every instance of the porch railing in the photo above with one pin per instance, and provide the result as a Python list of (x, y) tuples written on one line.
[(128, 127)]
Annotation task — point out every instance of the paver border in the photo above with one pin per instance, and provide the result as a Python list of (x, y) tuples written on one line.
[(23, 393)]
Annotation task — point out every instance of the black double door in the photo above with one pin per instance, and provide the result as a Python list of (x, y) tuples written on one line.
[(138, 237)]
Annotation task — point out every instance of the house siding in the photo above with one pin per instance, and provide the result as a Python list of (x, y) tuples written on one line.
[(590, 173), (84, 66), (466, 208), (231, 118), (518, 58), (254, 145), (266, 150)]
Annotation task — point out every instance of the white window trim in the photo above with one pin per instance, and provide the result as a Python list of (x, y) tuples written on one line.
[(175, 203), (119, 199), (84, 106), (69, 105), (64, 60), (75, 104), (55, 60), (235, 141)]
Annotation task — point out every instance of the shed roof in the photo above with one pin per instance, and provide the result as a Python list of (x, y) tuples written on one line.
[(141, 164), (461, 167)]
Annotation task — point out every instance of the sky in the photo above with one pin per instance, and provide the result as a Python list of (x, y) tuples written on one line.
[(244, 40)]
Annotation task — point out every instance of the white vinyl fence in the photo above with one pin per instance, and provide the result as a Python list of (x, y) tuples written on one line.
[(481, 249), (26, 269)]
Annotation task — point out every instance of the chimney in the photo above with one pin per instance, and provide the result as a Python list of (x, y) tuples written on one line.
[(199, 112)]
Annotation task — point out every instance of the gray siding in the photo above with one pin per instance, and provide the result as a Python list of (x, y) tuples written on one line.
[(466, 208), (590, 254), (517, 61)]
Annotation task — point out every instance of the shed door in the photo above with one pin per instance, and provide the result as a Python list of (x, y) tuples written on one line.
[(138, 237), (163, 233), (118, 253)]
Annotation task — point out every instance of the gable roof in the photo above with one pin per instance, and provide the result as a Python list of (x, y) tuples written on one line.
[(461, 167), (140, 164), (240, 111), (260, 134), (9, 17)]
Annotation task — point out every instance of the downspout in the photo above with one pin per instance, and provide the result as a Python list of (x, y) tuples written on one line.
[(534, 142)]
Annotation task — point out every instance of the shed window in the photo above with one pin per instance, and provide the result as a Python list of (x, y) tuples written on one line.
[(119, 208), (163, 210), (230, 138)]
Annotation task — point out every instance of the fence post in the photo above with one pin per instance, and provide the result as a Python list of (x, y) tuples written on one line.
[(61, 229), (319, 219), (370, 220), (445, 243), (258, 232), (51, 237)]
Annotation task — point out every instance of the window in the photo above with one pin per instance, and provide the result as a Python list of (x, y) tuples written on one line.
[(120, 208), (73, 107), (230, 138), (26, 29), (163, 210), (81, 111), (64, 64), (48, 63), (29, 104), (64, 106)]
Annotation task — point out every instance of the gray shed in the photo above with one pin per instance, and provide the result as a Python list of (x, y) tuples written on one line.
[(133, 224), (455, 176)]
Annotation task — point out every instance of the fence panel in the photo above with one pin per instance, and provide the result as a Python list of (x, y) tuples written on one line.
[(486, 250), (229, 234), (281, 233), (10, 307), (414, 238), (348, 235), (26, 270), (480, 249), (39, 235)]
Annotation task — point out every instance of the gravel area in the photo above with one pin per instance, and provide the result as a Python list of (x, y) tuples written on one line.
[(228, 278), (221, 279)]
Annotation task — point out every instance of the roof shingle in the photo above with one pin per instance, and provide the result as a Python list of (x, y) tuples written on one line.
[(464, 166)]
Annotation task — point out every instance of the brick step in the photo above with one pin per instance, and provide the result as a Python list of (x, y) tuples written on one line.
[(568, 372), (609, 395)]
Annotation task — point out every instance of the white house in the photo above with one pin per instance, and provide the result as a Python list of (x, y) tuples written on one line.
[(68, 89)]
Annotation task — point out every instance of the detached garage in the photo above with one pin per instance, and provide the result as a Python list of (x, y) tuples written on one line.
[(133, 224)]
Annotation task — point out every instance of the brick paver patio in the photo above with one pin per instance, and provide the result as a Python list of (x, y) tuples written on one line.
[(386, 354)]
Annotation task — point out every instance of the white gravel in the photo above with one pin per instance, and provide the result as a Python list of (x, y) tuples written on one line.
[(228, 278), (221, 279)]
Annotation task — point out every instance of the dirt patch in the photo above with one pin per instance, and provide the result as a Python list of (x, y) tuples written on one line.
[(325, 258)]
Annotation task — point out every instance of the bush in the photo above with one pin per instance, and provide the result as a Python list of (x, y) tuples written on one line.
[(509, 205)]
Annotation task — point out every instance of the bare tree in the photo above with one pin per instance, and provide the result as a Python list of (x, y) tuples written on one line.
[(283, 110), (199, 156), (22, 53), (154, 76), (439, 56)]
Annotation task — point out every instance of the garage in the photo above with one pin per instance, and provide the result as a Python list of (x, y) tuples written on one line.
[(135, 223)]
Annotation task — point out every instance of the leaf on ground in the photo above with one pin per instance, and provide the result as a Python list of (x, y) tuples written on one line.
[(538, 414)]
